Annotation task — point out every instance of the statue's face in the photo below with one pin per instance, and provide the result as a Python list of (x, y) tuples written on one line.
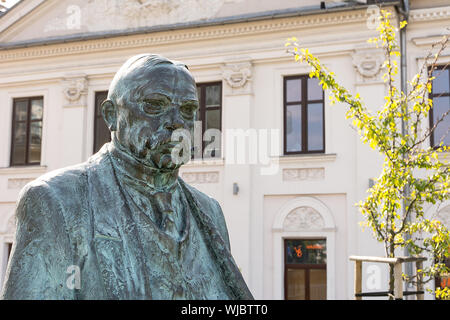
[(166, 101)]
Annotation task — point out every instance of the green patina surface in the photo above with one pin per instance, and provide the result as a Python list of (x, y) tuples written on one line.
[(124, 225)]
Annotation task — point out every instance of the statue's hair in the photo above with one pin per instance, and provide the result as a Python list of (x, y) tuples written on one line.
[(127, 82)]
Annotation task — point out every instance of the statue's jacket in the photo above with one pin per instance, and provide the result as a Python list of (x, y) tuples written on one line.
[(71, 226)]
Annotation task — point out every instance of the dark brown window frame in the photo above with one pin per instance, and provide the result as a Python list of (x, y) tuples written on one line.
[(28, 122), (306, 267), (96, 117), (431, 96), (304, 112), (202, 109)]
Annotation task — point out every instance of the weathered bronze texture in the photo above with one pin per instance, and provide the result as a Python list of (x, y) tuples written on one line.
[(124, 225)]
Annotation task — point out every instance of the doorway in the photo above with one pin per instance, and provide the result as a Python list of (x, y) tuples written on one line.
[(305, 269)]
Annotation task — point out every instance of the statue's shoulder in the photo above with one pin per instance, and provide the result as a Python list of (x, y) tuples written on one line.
[(201, 197), (68, 183)]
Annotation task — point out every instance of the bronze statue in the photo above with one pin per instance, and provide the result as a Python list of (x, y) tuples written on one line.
[(124, 225)]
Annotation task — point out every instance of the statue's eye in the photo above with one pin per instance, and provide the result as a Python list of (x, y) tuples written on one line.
[(153, 106), (188, 110)]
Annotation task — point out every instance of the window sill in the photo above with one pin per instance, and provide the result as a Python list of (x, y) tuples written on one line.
[(311, 157), (27, 169), (204, 162)]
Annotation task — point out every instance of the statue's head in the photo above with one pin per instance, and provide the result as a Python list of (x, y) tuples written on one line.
[(149, 98)]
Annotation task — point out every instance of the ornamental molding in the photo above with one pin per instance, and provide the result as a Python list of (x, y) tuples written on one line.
[(201, 177), (75, 89), (303, 218), (438, 13), (301, 174), (18, 183), (304, 212), (368, 63), (179, 36), (238, 75)]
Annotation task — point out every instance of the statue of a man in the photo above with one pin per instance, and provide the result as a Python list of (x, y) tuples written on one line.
[(124, 225)]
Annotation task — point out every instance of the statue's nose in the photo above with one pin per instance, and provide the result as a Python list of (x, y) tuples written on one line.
[(175, 121)]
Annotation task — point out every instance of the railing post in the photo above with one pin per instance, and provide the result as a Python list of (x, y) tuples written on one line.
[(419, 285), (398, 282), (358, 279)]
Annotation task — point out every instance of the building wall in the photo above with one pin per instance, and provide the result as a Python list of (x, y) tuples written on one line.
[(329, 183)]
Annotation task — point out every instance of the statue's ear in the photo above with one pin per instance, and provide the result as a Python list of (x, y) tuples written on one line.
[(109, 112)]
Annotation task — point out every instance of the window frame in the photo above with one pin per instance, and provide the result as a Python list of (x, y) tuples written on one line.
[(431, 96), (202, 112), (28, 122), (304, 115)]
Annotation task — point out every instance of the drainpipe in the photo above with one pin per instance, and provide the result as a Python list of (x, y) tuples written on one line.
[(403, 11)]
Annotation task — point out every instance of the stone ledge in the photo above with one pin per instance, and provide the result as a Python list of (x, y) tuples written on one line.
[(23, 170)]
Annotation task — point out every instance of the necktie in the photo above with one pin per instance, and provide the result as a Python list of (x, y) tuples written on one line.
[(163, 203)]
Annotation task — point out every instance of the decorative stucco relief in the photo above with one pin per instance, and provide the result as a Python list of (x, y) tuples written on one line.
[(75, 89), (18, 183), (201, 177), (303, 218), (238, 77), (368, 63), (102, 15), (298, 174)]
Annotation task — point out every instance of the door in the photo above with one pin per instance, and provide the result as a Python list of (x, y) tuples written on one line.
[(305, 269)]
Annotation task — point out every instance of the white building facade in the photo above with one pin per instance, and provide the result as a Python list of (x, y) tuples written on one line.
[(63, 54)]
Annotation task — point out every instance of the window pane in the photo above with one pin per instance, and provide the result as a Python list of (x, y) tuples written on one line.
[(34, 151), (315, 91), (315, 126), (212, 96), (441, 83), (441, 105), (213, 119), (318, 284), (101, 134), (306, 251), (293, 90), (21, 110), (296, 284), (36, 109), (293, 128), (99, 98), (212, 122), (19, 143)]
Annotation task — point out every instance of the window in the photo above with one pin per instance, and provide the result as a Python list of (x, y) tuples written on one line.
[(101, 131), (440, 93), (26, 131), (305, 269), (210, 115), (8, 248), (304, 130)]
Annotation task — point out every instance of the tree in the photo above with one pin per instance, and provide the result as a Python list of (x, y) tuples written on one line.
[(413, 175)]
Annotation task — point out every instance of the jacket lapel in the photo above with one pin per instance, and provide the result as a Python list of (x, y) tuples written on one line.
[(238, 289), (107, 206)]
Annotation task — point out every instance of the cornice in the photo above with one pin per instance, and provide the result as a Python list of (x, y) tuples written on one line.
[(428, 40), (431, 14), (180, 36)]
